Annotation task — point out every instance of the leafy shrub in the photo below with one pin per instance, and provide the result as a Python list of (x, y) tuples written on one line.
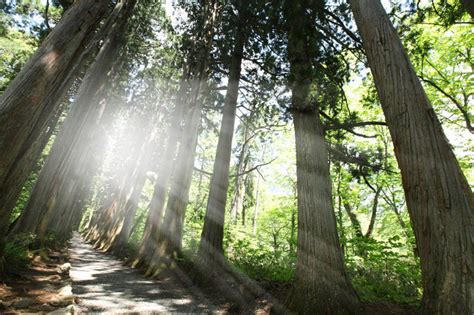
[(269, 254), (261, 262), (384, 271), (17, 251)]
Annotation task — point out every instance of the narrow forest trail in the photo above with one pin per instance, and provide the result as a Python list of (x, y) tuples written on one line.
[(101, 283)]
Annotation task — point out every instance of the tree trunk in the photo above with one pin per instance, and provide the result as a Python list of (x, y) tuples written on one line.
[(354, 220), (158, 201), (256, 207), (33, 97), (156, 243), (68, 168), (468, 6), (210, 248), (32, 157), (170, 236), (439, 199), (321, 285), (239, 194), (129, 197), (373, 216)]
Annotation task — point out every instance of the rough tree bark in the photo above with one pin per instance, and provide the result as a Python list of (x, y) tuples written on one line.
[(169, 237), (439, 199), (321, 285), (33, 97), (210, 247), (67, 169), (32, 157)]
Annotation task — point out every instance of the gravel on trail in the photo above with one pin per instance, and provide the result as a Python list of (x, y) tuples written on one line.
[(101, 283)]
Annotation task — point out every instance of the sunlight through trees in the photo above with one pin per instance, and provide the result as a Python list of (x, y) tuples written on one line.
[(311, 156)]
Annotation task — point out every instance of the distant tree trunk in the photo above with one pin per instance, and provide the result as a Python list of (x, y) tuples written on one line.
[(67, 169), (33, 97), (210, 248), (102, 218), (170, 235), (158, 201), (199, 200), (292, 230), (439, 199), (354, 220), (129, 212), (237, 201), (407, 230), (256, 207), (468, 6), (243, 216), (342, 234), (115, 231), (137, 222), (105, 222), (321, 285), (373, 215), (157, 243)]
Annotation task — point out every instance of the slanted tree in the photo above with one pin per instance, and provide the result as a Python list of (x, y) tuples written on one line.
[(164, 171), (439, 199), (170, 162), (168, 239), (114, 224), (211, 245), (33, 97), (66, 176)]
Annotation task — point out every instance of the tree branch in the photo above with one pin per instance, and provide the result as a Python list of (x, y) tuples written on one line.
[(256, 167), (459, 106), (46, 17)]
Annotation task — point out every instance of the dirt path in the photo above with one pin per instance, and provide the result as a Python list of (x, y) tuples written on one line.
[(102, 284)]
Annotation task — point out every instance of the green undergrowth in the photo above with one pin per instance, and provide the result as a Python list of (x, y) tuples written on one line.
[(385, 271), (20, 249), (262, 262), (382, 268), (381, 271), (17, 252)]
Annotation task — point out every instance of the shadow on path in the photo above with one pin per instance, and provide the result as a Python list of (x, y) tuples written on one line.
[(103, 284)]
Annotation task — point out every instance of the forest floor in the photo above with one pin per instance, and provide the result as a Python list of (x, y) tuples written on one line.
[(84, 280), (101, 283), (43, 286)]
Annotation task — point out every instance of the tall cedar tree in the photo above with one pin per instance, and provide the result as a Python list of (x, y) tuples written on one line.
[(321, 285), (439, 199), (33, 97), (211, 246), (190, 101), (61, 189)]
